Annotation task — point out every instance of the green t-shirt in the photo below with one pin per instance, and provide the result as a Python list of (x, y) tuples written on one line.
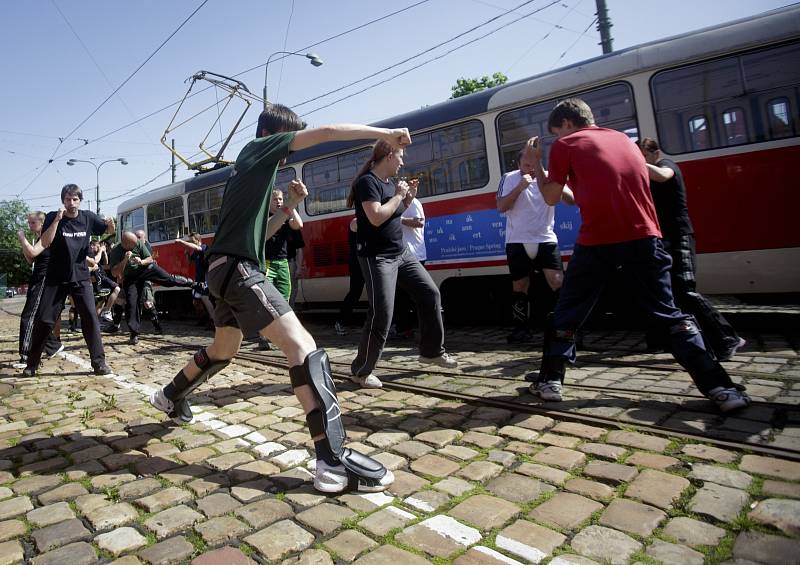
[(118, 252), (242, 229)]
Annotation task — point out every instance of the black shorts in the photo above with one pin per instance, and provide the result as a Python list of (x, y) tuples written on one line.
[(245, 299), (520, 264), (104, 281)]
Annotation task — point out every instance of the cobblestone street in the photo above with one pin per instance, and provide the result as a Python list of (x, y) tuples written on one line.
[(90, 473)]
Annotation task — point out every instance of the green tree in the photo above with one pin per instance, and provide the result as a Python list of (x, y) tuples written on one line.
[(13, 217), (466, 86)]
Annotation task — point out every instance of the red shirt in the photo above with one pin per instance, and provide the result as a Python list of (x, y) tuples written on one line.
[(607, 173)]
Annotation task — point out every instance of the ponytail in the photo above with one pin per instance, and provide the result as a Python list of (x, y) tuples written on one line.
[(380, 151)]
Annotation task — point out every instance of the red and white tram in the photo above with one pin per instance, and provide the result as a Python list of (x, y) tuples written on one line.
[(723, 102)]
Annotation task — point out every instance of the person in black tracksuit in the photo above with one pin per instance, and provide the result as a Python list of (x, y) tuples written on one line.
[(356, 280), (39, 257), (67, 233)]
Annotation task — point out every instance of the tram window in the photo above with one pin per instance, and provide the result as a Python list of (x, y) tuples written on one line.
[(165, 220), (283, 178), (779, 116), (611, 105), (742, 99), (698, 132), (328, 181), (772, 68), (733, 121), (204, 208), (448, 160), (133, 220)]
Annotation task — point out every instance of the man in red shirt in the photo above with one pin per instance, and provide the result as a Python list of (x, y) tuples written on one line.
[(608, 176)]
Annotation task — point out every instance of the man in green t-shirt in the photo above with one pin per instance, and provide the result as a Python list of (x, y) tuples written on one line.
[(132, 261), (247, 304)]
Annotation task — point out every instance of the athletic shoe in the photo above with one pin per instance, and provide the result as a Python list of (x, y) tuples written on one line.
[(106, 316), (59, 350), (133, 340), (334, 478), (729, 399), (339, 328), (265, 345), (444, 360), (29, 372), (367, 381), (549, 391), (22, 363), (519, 335), (180, 412), (103, 370), (728, 354)]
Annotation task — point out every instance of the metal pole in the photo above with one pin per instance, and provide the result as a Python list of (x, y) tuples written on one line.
[(97, 194), (173, 159), (604, 27)]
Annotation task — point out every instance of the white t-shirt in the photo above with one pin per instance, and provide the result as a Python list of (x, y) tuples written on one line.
[(531, 219), (414, 238)]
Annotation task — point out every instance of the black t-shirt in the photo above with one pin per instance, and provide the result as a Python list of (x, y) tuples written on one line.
[(275, 246), (670, 200), (198, 257), (294, 243), (385, 240), (40, 264), (70, 246)]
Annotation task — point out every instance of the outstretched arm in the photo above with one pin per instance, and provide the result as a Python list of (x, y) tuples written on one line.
[(189, 244), (348, 132)]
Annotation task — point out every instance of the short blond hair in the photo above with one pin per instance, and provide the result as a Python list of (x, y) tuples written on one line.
[(38, 215)]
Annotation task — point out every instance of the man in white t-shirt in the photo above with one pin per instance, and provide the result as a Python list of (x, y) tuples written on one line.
[(530, 240), (413, 223)]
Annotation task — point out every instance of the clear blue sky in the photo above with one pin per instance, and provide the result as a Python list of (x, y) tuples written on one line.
[(51, 82)]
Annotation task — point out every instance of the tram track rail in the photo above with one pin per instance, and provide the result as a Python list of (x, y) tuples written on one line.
[(273, 360)]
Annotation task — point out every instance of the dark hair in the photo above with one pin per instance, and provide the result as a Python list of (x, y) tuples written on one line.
[(278, 118), (380, 151), (649, 144), (573, 109), (72, 189)]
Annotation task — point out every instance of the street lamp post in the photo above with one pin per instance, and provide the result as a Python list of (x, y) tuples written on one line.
[(122, 160), (313, 58)]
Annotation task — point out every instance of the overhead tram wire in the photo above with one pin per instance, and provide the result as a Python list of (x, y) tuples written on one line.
[(307, 47), (285, 40), (103, 103), (568, 49)]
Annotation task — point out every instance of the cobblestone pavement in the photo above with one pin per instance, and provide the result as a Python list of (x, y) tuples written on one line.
[(89, 473)]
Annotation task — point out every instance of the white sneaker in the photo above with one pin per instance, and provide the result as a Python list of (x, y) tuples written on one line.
[(106, 316), (161, 402), (547, 390), (368, 381), (729, 399), (59, 350), (333, 478), (21, 364), (444, 360)]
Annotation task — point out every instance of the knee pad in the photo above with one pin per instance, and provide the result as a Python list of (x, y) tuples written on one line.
[(208, 369), (363, 471)]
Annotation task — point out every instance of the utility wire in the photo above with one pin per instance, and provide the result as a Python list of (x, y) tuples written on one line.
[(594, 21), (285, 40), (163, 43)]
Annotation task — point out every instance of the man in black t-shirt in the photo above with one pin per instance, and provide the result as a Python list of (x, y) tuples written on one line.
[(669, 197), (68, 275)]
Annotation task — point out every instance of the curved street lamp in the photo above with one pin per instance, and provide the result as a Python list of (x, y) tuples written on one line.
[(72, 162), (313, 58)]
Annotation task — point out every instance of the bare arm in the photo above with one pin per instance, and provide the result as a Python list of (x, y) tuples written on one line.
[(50, 233), (189, 244), (28, 250), (117, 269), (348, 132), (296, 192), (659, 174), (378, 213), (295, 221)]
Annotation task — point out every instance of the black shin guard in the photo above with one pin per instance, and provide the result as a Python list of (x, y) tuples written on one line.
[(364, 473), (181, 386)]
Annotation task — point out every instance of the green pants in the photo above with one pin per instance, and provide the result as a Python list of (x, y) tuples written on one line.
[(277, 271)]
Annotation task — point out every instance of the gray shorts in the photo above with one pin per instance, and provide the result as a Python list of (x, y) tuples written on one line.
[(245, 299)]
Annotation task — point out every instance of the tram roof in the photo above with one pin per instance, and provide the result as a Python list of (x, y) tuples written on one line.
[(784, 23)]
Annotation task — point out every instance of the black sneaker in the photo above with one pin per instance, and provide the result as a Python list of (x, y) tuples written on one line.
[(103, 370), (133, 340), (29, 372)]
